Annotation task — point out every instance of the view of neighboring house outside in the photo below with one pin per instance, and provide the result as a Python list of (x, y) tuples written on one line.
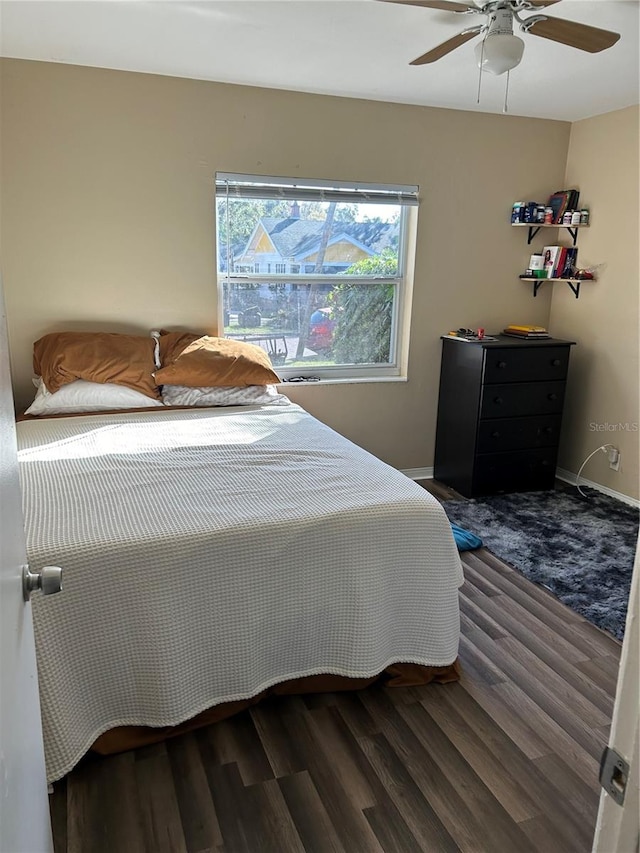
[(283, 264)]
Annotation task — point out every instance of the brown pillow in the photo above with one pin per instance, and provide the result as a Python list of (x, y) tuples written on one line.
[(63, 357), (204, 361)]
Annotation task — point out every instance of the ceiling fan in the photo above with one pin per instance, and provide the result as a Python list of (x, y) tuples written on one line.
[(500, 50)]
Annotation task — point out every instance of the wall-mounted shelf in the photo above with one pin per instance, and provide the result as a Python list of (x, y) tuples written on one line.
[(574, 283), (536, 226)]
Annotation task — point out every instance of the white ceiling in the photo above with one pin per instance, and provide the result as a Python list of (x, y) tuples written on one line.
[(353, 48)]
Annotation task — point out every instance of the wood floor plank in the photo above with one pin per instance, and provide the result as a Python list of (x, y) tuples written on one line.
[(58, 811), (487, 749), (475, 662), (237, 741), (539, 641), (583, 794), (268, 824), (467, 809), (603, 671), (534, 626), (422, 821), (514, 725), (477, 578), (562, 690), (549, 693), (161, 817), (309, 815), (356, 716), (391, 831), (199, 819), (544, 835), (600, 641), (227, 793), (330, 730), (104, 812), (477, 608), (348, 820), (282, 752), (550, 730)]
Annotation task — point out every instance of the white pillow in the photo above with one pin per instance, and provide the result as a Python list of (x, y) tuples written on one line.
[(250, 395), (83, 396)]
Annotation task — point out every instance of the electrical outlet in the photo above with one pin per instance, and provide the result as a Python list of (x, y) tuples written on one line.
[(614, 459)]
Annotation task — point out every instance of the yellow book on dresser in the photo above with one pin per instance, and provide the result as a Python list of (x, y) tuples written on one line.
[(526, 328)]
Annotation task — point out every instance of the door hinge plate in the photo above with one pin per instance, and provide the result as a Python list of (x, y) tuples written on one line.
[(614, 772)]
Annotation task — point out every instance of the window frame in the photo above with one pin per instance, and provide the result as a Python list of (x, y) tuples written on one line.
[(296, 189)]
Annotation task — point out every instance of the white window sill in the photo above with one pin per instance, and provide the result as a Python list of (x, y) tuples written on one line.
[(347, 381)]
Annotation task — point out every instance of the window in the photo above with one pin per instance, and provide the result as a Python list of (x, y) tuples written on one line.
[(342, 316)]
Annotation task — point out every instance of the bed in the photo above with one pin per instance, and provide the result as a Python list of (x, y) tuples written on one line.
[(210, 554)]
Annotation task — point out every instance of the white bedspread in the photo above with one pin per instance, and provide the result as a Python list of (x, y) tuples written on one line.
[(209, 554)]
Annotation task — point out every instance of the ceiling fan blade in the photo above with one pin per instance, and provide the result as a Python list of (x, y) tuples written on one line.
[(540, 3), (591, 39), (446, 5), (446, 47)]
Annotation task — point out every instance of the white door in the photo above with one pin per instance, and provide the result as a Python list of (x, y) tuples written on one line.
[(617, 828), (24, 804)]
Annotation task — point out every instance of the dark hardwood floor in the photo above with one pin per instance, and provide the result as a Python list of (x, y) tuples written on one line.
[(504, 760)]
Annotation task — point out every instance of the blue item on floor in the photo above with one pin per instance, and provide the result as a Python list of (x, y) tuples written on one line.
[(464, 540)]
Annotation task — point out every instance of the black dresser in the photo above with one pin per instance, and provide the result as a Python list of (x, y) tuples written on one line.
[(499, 414)]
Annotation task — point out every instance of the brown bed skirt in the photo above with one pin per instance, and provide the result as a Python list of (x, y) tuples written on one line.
[(123, 738)]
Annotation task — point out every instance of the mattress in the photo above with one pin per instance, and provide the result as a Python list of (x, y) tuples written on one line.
[(209, 554)]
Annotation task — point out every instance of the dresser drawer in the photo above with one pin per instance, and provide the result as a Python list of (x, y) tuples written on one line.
[(524, 364), (518, 471), (521, 399), (499, 434)]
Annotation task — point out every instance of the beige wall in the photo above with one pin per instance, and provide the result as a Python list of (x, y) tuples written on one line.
[(604, 377), (107, 214)]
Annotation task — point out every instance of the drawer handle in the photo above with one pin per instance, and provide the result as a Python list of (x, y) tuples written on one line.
[(548, 430), (556, 362), (552, 396), (497, 400), (495, 434), (545, 463), (502, 364)]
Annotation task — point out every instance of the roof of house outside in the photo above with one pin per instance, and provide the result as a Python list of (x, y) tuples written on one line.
[(299, 238)]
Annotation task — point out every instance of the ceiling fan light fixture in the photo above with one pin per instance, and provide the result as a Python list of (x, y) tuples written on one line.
[(499, 52)]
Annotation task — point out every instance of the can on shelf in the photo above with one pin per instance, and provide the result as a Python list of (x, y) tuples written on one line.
[(576, 217), (584, 216), (540, 211), (548, 216), (566, 219)]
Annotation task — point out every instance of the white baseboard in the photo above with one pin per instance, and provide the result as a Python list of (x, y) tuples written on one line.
[(570, 477), (419, 473), (561, 474)]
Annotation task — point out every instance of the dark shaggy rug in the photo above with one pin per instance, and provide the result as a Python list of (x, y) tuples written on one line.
[(581, 549)]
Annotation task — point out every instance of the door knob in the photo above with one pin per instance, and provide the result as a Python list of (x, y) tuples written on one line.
[(48, 579)]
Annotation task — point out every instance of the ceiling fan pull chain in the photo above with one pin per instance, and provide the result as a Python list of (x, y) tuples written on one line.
[(505, 109)]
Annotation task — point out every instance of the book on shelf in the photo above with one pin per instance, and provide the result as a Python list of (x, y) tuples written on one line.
[(551, 259), (570, 263), (559, 261), (561, 201)]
